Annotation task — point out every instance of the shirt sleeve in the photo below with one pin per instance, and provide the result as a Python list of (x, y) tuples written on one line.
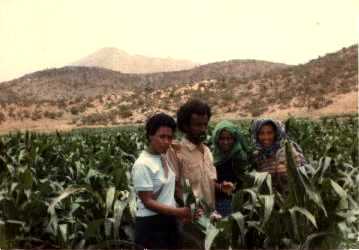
[(141, 178), (174, 162), (213, 171)]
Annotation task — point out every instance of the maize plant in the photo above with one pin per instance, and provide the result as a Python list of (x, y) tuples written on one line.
[(73, 190)]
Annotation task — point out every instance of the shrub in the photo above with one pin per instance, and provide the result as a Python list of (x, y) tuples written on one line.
[(61, 104), (50, 115), (78, 109), (320, 102), (228, 96), (95, 118), (26, 114), (59, 114), (257, 111), (2, 117), (124, 111), (11, 112), (74, 110), (36, 115)]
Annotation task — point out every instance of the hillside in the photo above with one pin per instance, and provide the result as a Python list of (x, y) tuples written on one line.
[(73, 82), (119, 60), (233, 69), (67, 83), (302, 89), (61, 98)]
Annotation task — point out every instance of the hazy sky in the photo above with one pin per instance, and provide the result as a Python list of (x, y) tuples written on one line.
[(38, 34)]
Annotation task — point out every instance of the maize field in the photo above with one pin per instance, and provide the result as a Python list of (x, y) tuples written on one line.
[(73, 190)]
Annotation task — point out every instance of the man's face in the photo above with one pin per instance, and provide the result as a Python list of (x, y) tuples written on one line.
[(197, 130)]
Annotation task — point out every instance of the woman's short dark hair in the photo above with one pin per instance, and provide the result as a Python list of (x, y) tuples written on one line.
[(159, 120), (185, 112)]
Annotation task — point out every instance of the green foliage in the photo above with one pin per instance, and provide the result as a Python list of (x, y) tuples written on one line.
[(124, 111), (320, 209), (73, 190), (333, 137), (67, 190)]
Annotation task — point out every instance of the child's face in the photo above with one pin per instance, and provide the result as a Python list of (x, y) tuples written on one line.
[(266, 135), (225, 141)]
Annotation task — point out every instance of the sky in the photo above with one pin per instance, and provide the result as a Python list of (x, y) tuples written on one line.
[(40, 34)]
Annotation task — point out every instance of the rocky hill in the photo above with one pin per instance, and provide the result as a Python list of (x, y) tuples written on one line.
[(305, 88)]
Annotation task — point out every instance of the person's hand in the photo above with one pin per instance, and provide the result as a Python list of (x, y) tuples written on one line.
[(215, 216), (198, 213), (184, 214), (227, 187)]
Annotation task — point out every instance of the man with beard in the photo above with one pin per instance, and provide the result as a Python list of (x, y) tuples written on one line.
[(190, 157)]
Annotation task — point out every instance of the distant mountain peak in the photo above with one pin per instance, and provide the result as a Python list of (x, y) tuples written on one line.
[(119, 60), (111, 50)]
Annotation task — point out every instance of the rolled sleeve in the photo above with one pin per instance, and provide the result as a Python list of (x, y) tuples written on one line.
[(213, 173), (141, 178), (212, 168)]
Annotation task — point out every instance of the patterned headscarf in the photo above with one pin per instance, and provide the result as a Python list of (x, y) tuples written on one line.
[(239, 148), (280, 135)]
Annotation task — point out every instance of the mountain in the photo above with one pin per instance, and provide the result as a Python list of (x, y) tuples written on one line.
[(119, 60), (78, 96)]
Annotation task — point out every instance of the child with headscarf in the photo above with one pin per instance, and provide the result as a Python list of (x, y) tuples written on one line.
[(230, 160), (269, 156)]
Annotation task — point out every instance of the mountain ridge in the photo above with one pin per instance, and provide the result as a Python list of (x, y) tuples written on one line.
[(70, 81)]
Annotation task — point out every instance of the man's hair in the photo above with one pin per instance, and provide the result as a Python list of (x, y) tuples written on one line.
[(185, 112), (159, 120)]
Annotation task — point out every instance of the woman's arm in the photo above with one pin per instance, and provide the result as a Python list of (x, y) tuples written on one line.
[(179, 194), (148, 200)]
